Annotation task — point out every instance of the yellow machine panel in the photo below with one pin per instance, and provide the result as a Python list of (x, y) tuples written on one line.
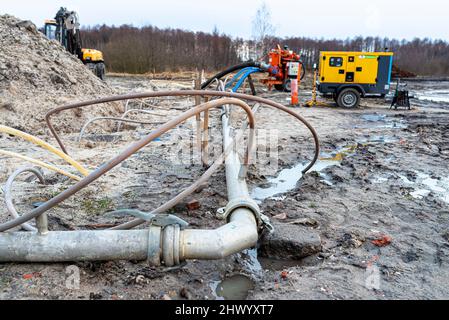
[(350, 67), (368, 64), (91, 55), (331, 68)]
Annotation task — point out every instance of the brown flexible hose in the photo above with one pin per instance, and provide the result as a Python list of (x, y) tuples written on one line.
[(185, 93), (135, 147)]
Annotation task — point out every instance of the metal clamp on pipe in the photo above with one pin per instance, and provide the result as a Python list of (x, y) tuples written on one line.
[(245, 203)]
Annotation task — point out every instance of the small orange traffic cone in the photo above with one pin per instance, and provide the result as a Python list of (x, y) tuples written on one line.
[(294, 91)]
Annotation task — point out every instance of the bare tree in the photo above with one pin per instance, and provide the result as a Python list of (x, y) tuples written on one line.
[(263, 30)]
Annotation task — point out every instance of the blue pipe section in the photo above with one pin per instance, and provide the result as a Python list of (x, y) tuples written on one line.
[(240, 77)]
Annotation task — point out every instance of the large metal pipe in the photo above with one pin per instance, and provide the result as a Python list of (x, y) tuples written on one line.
[(168, 245), (242, 230), (239, 234), (62, 246)]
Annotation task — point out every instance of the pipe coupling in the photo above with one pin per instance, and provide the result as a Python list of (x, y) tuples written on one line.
[(242, 203), (171, 244)]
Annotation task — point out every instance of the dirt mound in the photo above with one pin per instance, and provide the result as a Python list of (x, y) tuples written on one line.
[(397, 72), (37, 75)]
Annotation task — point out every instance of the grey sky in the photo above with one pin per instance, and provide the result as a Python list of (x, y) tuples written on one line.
[(312, 18)]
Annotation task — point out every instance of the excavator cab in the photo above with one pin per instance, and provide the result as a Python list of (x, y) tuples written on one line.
[(50, 29)]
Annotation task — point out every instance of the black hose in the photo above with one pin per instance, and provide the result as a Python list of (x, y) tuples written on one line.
[(229, 70)]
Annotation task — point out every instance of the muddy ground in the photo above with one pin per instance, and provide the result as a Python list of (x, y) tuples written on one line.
[(382, 175)]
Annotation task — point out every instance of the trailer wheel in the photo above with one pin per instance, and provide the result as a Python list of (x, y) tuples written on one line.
[(348, 98)]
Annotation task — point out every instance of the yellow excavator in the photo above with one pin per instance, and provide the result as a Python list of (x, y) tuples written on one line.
[(65, 29)]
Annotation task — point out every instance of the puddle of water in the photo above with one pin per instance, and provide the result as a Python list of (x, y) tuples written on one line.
[(441, 95), (375, 117), (405, 179), (380, 121), (425, 185), (379, 139), (288, 178), (236, 287), (379, 180), (420, 193)]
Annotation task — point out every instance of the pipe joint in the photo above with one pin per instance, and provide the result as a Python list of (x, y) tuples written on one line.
[(171, 236), (242, 203)]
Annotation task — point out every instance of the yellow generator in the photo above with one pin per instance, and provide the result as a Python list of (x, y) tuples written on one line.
[(349, 76)]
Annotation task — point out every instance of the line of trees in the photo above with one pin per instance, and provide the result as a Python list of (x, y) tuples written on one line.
[(128, 49), (149, 49)]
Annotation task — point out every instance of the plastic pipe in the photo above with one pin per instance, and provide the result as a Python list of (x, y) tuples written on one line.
[(40, 164), (83, 129), (8, 188), (46, 146)]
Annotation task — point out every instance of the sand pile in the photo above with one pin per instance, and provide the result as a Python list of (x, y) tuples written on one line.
[(37, 75)]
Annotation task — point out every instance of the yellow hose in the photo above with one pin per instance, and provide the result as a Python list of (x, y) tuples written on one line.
[(40, 164), (46, 146)]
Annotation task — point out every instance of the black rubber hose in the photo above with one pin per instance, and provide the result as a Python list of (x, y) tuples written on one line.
[(229, 70)]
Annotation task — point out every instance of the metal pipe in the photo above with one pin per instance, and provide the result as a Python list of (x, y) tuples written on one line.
[(62, 246), (170, 246), (205, 140), (242, 230), (239, 234), (42, 224), (198, 117)]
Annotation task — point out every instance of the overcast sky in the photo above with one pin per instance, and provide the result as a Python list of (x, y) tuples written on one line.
[(312, 18)]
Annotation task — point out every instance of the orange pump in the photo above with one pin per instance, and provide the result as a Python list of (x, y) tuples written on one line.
[(284, 65)]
